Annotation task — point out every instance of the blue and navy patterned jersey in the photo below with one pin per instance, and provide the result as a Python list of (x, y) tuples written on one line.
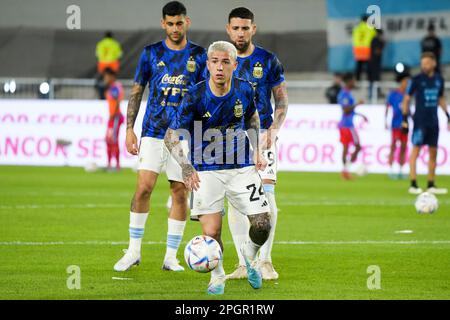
[(169, 74), (346, 99), (426, 91), (215, 118), (394, 100), (263, 69)]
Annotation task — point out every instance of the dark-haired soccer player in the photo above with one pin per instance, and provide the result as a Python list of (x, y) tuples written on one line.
[(169, 67), (428, 90), (114, 95), (347, 131), (263, 69), (394, 101), (223, 109)]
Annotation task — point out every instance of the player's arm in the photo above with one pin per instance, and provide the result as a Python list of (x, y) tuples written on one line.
[(443, 105), (405, 112), (280, 96), (132, 111), (362, 116), (190, 175), (253, 127), (386, 115)]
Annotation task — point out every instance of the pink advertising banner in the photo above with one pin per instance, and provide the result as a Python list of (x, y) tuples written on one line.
[(72, 132)]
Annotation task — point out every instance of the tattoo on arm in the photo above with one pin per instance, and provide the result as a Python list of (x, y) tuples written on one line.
[(281, 104), (173, 144), (253, 127), (133, 104)]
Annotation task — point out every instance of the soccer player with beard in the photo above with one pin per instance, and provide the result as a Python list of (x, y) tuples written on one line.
[(263, 69), (169, 67)]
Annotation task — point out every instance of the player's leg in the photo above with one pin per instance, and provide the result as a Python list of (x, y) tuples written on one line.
[(414, 188), (239, 226), (212, 226), (150, 165), (402, 156), (175, 225), (207, 206), (138, 216), (355, 140), (391, 156), (432, 150), (176, 221), (245, 191)]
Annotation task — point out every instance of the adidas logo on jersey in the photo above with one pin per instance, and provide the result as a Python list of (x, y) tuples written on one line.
[(264, 204), (207, 115), (161, 64)]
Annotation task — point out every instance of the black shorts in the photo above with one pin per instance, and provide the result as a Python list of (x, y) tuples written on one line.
[(425, 135)]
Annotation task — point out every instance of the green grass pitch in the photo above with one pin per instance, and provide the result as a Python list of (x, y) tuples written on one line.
[(329, 232)]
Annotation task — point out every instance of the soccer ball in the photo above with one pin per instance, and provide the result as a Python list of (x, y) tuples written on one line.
[(90, 167), (361, 170), (426, 203), (202, 254)]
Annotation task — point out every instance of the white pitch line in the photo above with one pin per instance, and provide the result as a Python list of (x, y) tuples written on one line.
[(160, 205), (123, 243)]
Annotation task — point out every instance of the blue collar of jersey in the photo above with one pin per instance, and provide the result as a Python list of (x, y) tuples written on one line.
[(222, 97), (175, 51)]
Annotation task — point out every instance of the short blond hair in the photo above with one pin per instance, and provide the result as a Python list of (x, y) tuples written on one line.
[(223, 46)]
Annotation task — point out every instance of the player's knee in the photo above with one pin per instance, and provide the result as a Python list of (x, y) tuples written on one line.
[(212, 231), (179, 193), (144, 190)]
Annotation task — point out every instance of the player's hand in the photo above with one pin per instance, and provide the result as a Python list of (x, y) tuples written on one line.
[(405, 127), (131, 142), (260, 162), (190, 177)]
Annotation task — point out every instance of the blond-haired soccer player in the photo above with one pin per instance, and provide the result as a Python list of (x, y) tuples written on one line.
[(223, 110)]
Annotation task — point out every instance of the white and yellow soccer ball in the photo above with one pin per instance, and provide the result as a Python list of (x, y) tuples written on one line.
[(203, 254), (361, 170), (426, 202)]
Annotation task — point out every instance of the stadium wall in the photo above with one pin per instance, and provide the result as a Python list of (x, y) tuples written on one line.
[(309, 141)]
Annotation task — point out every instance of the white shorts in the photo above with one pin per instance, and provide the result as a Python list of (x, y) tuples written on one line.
[(154, 156), (242, 187), (271, 156)]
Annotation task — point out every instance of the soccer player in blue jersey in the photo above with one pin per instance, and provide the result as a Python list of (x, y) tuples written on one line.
[(263, 69), (428, 91), (394, 101), (347, 131), (222, 110), (169, 67)]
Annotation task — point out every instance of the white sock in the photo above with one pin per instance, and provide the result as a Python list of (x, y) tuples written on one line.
[(347, 165), (175, 230), (136, 229), (250, 250), (239, 226), (265, 253), (218, 271)]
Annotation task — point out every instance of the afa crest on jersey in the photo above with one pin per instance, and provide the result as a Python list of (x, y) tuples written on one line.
[(257, 70), (238, 109), (191, 65)]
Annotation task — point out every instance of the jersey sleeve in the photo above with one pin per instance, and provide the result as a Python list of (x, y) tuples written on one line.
[(142, 75), (276, 74), (411, 88), (185, 113), (203, 74)]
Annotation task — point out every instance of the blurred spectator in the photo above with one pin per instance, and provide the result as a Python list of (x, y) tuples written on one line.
[(376, 53), (332, 92), (431, 43), (362, 36), (108, 52)]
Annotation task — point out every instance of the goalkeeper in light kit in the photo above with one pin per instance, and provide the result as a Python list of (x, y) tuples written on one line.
[(222, 110)]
